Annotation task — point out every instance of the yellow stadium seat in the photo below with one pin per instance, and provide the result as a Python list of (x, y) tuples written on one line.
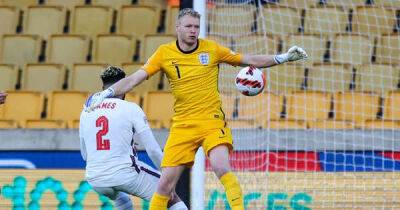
[(52, 16), (86, 77), (20, 49), (284, 78), (232, 20), (151, 84), (67, 49), (382, 124), (356, 106), (74, 124), (138, 20), (228, 104), (241, 124), (133, 97), (387, 3), (346, 3), (391, 106), (151, 106), (70, 4), (285, 124), (43, 77), (256, 44), (308, 105), (298, 3), (21, 4), (9, 20), (91, 20), (326, 20), (66, 106), (23, 105), (331, 77), (377, 78), (261, 108), (388, 49), (314, 45), (45, 124), (331, 124), (152, 42), (116, 4), (273, 17), (114, 49), (8, 77), (373, 20), (8, 124), (165, 82), (171, 16), (361, 49)]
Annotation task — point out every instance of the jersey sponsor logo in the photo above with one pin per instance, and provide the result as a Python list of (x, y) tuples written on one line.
[(204, 58)]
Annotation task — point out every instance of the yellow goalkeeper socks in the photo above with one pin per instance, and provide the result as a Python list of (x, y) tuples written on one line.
[(233, 191), (158, 202)]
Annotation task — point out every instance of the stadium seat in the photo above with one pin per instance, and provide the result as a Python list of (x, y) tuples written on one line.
[(133, 97), (388, 49), (21, 4), (285, 78), (86, 77), (74, 124), (166, 86), (43, 77), (91, 20), (326, 20), (361, 49), (45, 124), (67, 49), (273, 16), (285, 124), (115, 4), (241, 124), (373, 20), (138, 20), (151, 43), (66, 106), (52, 16), (170, 21), (261, 108), (228, 104), (387, 3), (331, 124), (163, 114), (382, 124), (20, 49), (314, 45), (70, 4), (256, 44), (298, 3), (151, 84), (225, 19), (8, 77), (346, 3), (377, 78), (9, 20), (8, 124), (23, 105), (356, 106), (391, 106), (114, 49), (330, 77), (308, 105), (226, 78)]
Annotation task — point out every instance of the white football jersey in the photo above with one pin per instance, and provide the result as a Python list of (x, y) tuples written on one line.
[(106, 136)]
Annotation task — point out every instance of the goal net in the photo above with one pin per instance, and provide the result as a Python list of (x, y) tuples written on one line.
[(325, 133)]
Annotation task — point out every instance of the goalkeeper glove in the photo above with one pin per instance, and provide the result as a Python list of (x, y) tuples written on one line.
[(94, 100), (293, 54)]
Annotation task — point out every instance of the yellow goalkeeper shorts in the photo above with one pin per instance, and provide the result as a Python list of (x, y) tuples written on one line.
[(186, 137)]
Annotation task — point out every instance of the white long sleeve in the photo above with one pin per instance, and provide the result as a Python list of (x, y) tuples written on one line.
[(146, 138)]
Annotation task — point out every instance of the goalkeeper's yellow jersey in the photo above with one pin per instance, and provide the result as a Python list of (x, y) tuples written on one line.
[(193, 76)]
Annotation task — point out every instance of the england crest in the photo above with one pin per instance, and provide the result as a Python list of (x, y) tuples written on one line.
[(204, 58)]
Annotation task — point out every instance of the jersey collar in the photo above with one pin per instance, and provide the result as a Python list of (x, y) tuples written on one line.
[(190, 51)]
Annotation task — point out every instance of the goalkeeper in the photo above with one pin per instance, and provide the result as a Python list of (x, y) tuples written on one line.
[(191, 65)]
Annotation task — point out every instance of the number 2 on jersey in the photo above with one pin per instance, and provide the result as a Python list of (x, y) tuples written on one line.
[(102, 144)]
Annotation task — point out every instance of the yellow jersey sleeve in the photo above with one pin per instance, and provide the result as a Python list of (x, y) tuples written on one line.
[(153, 64), (226, 55)]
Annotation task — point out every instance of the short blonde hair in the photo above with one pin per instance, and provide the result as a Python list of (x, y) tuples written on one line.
[(187, 11)]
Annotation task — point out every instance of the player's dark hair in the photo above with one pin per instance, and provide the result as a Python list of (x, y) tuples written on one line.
[(111, 75)]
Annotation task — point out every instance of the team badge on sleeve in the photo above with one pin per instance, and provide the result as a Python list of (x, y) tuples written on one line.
[(204, 58)]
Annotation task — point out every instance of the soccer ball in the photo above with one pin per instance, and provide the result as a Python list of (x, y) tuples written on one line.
[(250, 81)]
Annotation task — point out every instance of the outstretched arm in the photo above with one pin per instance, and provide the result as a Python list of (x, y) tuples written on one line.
[(261, 61)]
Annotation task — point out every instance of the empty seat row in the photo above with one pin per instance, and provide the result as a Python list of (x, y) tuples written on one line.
[(69, 49), (342, 3), (275, 19)]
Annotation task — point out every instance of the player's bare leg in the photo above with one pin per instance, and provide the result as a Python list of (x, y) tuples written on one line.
[(219, 160), (168, 180)]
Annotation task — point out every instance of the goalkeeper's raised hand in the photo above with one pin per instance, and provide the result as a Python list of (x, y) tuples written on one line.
[(94, 100), (293, 54)]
